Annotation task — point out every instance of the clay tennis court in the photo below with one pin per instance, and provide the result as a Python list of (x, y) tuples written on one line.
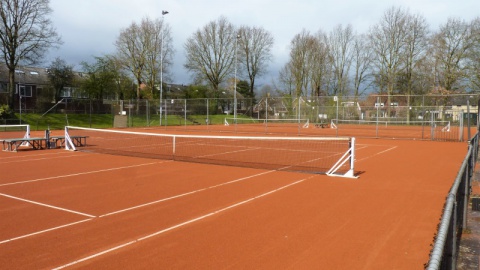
[(63, 209)]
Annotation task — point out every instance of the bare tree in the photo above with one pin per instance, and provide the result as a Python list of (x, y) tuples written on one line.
[(320, 66), (340, 45), (211, 52), (362, 61), (138, 49), (388, 40), (308, 71), (301, 48), (416, 46), (451, 46), (160, 51), (255, 46), (474, 56), (26, 34), (286, 80)]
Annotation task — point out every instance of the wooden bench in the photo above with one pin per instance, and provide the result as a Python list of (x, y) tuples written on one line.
[(13, 144)]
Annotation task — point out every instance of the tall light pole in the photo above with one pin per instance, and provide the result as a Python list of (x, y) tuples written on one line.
[(164, 12), (235, 83)]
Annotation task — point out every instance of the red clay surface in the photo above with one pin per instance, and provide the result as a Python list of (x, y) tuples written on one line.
[(62, 209)]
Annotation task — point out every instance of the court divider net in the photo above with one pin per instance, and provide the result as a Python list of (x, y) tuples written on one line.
[(333, 156)]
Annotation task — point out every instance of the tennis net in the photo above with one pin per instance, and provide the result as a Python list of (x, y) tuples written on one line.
[(14, 131), (392, 123), (273, 121), (330, 155), (272, 125)]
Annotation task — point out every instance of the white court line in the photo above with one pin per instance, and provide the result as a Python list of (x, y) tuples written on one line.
[(39, 153), (83, 173), (46, 205), (181, 224), (229, 152), (185, 194), (376, 154), (131, 208), (44, 231), (35, 159)]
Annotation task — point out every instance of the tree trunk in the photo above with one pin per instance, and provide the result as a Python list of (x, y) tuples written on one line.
[(11, 89)]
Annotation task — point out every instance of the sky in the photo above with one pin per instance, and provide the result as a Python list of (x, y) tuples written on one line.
[(89, 28)]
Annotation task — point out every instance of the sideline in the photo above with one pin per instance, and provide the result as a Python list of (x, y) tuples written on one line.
[(83, 173), (376, 154), (36, 159)]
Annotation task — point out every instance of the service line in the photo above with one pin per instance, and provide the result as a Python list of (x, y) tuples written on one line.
[(185, 194), (82, 173), (47, 205), (179, 225)]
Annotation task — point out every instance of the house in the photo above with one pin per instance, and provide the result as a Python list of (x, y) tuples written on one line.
[(272, 106), (32, 86), (30, 83)]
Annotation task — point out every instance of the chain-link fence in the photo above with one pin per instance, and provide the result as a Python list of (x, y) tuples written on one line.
[(442, 117)]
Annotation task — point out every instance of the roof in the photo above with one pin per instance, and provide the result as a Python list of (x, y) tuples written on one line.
[(28, 75)]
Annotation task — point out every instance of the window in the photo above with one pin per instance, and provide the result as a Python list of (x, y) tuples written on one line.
[(66, 92), (25, 90)]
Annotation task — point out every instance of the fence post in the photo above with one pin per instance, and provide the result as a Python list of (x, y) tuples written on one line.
[(450, 246)]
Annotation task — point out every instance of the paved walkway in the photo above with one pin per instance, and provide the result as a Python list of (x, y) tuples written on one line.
[(469, 255)]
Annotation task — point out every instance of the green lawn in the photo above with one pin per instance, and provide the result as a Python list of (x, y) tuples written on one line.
[(59, 121)]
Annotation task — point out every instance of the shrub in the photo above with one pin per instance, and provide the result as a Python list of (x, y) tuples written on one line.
[(5, 111)]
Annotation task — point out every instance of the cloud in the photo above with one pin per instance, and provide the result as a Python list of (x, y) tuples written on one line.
[(90, 27)]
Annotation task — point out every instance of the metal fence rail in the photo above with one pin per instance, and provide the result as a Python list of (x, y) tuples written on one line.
[(446, 246)]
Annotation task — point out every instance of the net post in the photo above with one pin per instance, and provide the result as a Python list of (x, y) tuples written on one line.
[(332, 125), (351, 172), (174, 145), (349, 156), (307, 124), (69, 145), (26, 136)]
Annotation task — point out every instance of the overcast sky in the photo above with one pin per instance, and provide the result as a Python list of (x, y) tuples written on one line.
[(89, 28)]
